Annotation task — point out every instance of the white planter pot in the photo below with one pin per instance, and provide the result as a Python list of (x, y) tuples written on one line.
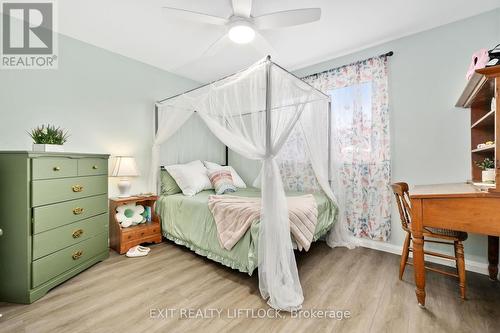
[(49, 148), (488, 176)]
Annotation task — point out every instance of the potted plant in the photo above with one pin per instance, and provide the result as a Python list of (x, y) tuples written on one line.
[(48, 138), (488, 167)]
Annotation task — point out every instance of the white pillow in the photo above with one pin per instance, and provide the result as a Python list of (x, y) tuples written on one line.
[(238, 182), (191, 177)]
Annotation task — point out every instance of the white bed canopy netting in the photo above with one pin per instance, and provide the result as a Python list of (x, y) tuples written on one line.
[(253, 112)]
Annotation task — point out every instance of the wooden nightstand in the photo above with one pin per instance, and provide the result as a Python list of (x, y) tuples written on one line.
[(122, 239)]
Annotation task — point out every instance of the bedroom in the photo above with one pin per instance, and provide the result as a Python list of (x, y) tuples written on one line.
[(113, 90)]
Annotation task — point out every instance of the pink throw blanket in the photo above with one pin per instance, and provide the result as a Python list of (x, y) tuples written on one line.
[(233, 216)]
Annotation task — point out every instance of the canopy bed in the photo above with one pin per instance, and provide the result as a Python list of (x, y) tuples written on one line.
[(252, 113), (188, 221)]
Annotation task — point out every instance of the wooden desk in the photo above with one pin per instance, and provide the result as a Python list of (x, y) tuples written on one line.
[(461, 207)]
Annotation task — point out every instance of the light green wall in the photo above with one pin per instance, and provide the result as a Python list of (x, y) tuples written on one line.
[(105, 100), (430, 139)]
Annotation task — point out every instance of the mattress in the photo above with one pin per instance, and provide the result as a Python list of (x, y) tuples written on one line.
[(188, 221)]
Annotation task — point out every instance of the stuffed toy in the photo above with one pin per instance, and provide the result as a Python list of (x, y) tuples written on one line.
[(479, 60), (130, 214)]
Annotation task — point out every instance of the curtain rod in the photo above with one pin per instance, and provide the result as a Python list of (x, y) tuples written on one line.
[(387, 54)]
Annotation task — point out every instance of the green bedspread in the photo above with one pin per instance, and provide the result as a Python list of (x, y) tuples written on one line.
[(189, 222)]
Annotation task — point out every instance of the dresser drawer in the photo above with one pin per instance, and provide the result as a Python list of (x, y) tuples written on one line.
[(57, 263), (53, 240), (56, 215), (92, 166), (46, 192), (53, 167)]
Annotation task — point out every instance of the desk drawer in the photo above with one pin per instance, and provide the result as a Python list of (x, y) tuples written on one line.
[(92, 166), (46, 192), (56, 215), (53, 240), (57, 263), (53, 167)]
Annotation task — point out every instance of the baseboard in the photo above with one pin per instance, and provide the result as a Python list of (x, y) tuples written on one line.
[(470, 264)]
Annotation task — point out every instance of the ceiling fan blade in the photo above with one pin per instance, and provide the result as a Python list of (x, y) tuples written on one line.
[(287, 18), (216, 46), (242, 7), (262, 45), (194, 16)]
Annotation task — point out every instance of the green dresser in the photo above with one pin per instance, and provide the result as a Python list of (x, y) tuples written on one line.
[(53, 217)]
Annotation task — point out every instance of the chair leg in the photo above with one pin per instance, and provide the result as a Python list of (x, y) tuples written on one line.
[(404, 255), (459, 249)]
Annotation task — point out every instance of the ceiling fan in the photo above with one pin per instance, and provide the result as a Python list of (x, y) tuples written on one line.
[(243, 28)]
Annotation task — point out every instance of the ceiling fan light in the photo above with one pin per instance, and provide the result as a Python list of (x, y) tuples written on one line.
[(241, 34)]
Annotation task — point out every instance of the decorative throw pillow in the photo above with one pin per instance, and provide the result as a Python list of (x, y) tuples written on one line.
[(222, 180), (190, 177), (168, 184), (129, 214), (238, 182)]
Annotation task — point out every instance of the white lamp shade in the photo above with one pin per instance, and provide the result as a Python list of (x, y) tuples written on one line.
[(125, 166)]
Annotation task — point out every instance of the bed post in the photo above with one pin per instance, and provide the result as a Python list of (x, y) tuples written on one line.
[(156, 119), (268, 104), (330, 142)]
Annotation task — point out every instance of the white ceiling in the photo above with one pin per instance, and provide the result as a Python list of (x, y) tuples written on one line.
[(140, 30)]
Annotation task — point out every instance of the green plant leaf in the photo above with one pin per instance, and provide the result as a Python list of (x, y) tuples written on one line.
[(49, 134)]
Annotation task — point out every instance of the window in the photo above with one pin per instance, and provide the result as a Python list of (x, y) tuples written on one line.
[(352, 114)]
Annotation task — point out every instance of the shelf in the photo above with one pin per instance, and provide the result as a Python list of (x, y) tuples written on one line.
[(484, 150), (479, 183), (479, 88), (142, 226), (489, 71), (488, 120)]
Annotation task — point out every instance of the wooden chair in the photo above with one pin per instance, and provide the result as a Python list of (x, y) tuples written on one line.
[(440, 236)]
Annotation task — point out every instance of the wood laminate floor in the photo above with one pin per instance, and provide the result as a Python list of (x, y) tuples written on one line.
[(122, 295)]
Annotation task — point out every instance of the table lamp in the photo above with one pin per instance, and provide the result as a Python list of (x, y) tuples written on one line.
[(124, 167)]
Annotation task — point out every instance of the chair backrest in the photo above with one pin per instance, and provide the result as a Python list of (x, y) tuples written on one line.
[(403, 200)]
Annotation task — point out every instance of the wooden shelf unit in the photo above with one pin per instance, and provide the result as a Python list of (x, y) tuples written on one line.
[(477, 95), (122, 239)]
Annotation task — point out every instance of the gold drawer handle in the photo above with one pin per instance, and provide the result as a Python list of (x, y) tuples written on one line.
[(78, 210), (77, 188), (77, 233), (95, 167), (56, 168), (76, 255)]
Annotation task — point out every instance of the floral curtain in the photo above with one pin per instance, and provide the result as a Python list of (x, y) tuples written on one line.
[(360, 138), (295, 166)]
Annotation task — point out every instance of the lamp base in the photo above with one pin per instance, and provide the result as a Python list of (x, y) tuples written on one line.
[(124, 188)]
